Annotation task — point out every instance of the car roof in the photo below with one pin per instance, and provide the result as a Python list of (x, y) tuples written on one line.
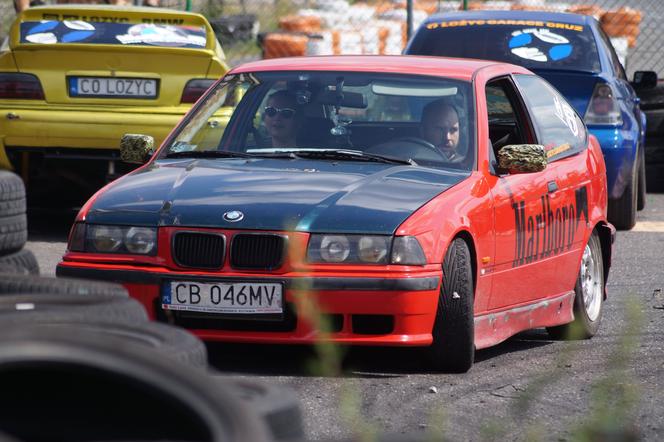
[(566, 17), (458, 68)]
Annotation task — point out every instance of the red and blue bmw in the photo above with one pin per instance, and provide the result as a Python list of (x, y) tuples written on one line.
[(321, 181)]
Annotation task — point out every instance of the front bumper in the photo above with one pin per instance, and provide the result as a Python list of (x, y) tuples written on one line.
[(369, 310)]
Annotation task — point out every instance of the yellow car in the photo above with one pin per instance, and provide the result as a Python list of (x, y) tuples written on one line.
[(75, 78)]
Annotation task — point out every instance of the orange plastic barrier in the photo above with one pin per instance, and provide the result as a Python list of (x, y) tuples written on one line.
[(300, 23), (277, 45), (518, 7), (593, 10), (428, 6), (623, 22)]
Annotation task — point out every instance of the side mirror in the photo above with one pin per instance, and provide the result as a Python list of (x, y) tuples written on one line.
[(136, 148), (522, 158), (644, 80)]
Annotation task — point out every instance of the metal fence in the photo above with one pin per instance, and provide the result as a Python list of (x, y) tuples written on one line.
[(254, 29)]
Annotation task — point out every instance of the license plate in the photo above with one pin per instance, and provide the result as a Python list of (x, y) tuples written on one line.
[(107, 87), (223, 297)]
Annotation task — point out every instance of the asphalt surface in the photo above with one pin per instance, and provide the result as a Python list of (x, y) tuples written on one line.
[(528, 388)]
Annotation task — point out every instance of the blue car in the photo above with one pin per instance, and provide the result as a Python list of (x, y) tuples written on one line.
[(574, 54)]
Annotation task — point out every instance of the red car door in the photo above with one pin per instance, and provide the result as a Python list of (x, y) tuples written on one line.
[(524, 266), (565, 139)]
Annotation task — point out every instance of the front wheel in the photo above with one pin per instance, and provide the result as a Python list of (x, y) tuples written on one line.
[(589, 295), (453, 348)]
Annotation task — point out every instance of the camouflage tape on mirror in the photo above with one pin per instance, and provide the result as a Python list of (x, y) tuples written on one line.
[(522, 157), (134, 148)]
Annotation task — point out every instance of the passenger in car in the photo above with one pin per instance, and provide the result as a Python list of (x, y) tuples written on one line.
[(440, 126), (282, 119)]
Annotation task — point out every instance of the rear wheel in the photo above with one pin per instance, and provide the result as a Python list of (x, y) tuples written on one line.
[(622, 211), (453, 348), (641, 202), (589, 295)]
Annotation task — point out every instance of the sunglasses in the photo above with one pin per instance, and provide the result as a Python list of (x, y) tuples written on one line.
[(285, 112)]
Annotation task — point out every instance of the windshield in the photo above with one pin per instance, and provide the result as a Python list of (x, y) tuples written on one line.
[(126, 34), (334, 116), (532, 44)]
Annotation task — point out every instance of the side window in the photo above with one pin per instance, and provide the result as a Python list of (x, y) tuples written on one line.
[(559, 127), (505, 115)]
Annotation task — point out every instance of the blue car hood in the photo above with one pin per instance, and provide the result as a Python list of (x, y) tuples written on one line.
[(576, 87), (273, 194)]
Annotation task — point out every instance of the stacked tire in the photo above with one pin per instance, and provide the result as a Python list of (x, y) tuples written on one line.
[(14, 227), (79, 360)]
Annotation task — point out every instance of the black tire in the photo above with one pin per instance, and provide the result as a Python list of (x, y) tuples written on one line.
[(26, 308), (22, 262), (453, 348), (587, 318), (277, 406), (12, 194), (174, 342), (61, 384), (19, 284), (13, 233), (622, 211), (641, 198)]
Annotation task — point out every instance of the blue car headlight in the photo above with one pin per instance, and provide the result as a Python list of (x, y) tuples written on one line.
[(96, 238)]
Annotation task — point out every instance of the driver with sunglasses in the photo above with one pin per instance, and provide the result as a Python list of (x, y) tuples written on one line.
[(281, 120)]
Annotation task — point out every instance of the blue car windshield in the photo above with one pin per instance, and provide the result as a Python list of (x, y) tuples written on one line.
[(333, 115), (530, 43)]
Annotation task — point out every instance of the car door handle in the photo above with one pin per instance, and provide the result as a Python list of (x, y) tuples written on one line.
[(552, 186)]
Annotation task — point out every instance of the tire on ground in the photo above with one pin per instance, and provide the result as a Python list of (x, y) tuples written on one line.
[(22, 262), (587, 314), (13, 233), (24, 308), (12, 194), (279, 407), (19, 284), (174, 342), (453, 348), (641, 197), (622, 211), (121, 390)]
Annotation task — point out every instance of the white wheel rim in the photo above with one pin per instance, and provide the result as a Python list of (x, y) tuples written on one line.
[(591, 283)]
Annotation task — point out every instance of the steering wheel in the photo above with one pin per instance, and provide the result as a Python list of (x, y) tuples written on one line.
[(418, 141), (409, 147)]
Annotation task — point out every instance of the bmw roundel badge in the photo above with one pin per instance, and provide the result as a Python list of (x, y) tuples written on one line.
[(233, 216)]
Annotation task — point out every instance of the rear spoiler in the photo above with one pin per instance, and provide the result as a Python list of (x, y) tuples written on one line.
[(113, 14)]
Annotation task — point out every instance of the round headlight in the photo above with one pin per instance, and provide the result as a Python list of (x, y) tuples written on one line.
[(372, 248), (106, 238), (334, 248), (140, 240)]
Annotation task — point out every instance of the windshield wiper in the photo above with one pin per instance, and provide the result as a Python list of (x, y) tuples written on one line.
[(351, 155), (209, 154)]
